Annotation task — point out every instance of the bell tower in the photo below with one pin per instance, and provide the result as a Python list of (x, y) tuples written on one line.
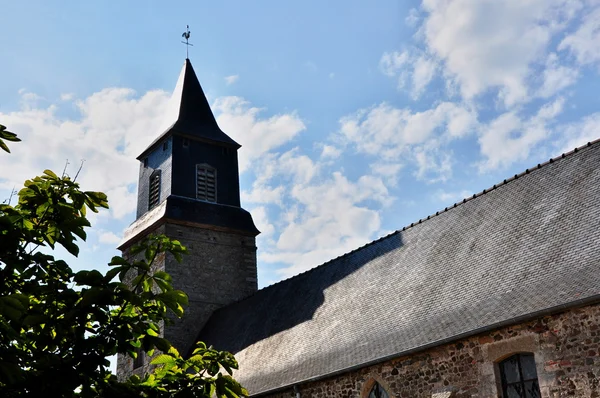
[(189, 190)]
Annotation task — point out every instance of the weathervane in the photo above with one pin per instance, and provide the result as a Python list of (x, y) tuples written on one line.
[(186, 35)]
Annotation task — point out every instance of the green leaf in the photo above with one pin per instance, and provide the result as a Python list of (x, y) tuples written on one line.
[(117, 260), (173, 351), (89, 278), (162, 359), (71, 247), (91, 296), (162, 344), (110, 275), (4, 146), (42, 209), (164, 276), (7, 135), (50, 173)]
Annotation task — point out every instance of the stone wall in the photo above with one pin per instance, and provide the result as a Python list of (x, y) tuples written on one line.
[(566, 348), (125, 364), (219, 270)]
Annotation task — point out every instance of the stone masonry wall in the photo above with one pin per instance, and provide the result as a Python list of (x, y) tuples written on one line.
[(219, 270), (566, 348), (125, 364)]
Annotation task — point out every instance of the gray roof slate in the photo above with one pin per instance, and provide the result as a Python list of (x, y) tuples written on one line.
[(527, 246)]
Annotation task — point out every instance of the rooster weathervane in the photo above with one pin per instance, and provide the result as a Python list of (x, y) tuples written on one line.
[(186, 35)]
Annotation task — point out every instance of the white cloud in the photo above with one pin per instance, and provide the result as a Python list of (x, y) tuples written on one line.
[(387, 170), (125, 200), (412, 18), (329, 219), (393, 134), (263, 194), (67, 96), (261, 219), (583, 43), (258, 136), (414, 67), (330, 152), (433, 164), (450, 196), (110, 131), (29, 100), (112, 128), (493, 45), (423, 72), (507, 49), (288, 169), (301, 167), (312, 216), (510, 137), (579, 133), (108, 238), (556, 77), (231, 79), (392, 62)]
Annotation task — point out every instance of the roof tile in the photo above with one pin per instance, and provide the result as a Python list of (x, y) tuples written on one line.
[(521, 248)]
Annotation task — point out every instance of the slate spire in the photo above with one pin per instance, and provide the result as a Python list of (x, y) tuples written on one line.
[(188, 113), (195, 117)]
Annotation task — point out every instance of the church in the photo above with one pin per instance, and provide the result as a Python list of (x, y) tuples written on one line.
[(495, 296)]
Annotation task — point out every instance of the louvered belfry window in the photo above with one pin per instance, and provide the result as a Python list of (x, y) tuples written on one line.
[(154, 191), (206, 183)]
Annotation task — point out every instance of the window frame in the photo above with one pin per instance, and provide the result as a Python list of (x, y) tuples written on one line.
[(207, 168), (372, 382), (152, 204), (382, 391), (521, 381)]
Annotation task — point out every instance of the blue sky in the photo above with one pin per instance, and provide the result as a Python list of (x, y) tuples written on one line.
[(356, 118)]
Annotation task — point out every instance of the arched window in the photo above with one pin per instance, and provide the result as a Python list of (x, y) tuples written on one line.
[(154, 190), (519, 377), (206, 183), (377, 392)]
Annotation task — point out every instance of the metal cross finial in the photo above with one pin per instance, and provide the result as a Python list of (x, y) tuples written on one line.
[(187, 35)]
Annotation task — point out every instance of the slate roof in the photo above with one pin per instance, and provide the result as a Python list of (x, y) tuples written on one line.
[(526, 247), (189, 113)]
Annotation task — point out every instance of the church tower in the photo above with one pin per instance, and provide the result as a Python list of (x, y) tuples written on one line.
[(189, 190)]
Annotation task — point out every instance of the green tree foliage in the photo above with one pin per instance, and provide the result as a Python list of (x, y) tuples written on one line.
[(8, 136), (57, 326)]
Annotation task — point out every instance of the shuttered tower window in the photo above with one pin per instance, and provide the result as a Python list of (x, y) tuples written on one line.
[(206, 183), (154, 190)]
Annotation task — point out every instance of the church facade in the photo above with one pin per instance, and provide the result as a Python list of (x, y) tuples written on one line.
[(496, 296)]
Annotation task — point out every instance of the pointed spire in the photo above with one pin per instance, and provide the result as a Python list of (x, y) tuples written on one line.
[(195, 117), (188, 112)]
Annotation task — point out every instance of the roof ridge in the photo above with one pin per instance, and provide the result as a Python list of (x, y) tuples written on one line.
[(437, 213)]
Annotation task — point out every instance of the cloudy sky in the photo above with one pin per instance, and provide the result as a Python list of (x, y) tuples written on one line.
[(356, 117)]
